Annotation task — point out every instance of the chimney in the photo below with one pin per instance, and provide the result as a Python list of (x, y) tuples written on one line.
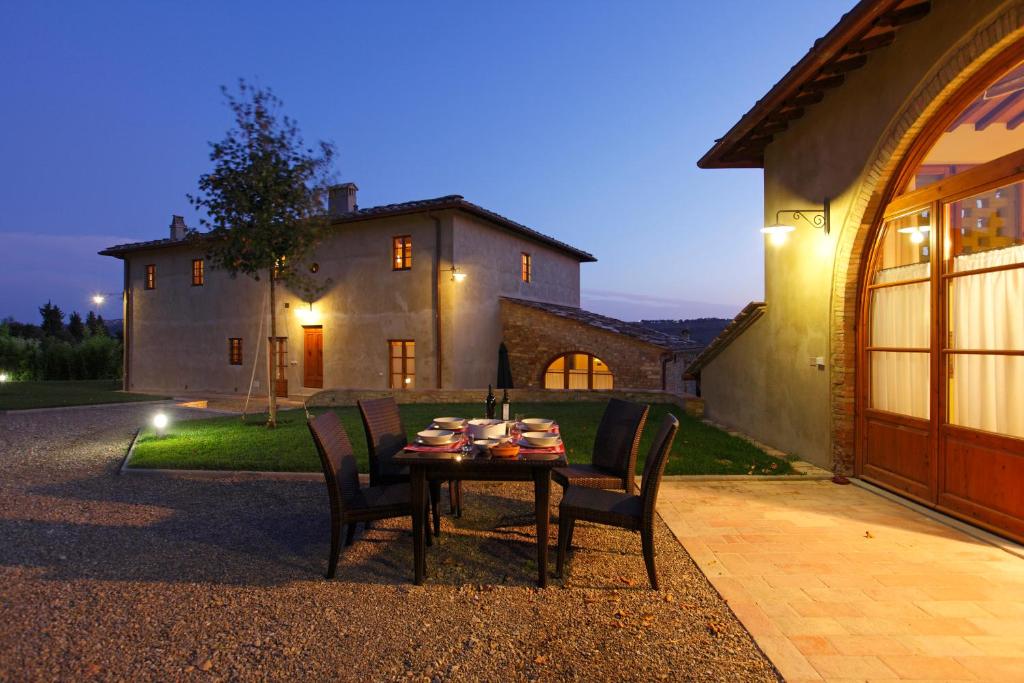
[(178, 228), (341, 199)]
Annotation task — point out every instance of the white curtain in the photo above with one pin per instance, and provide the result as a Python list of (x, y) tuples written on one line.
[(901, 316), (987, 312)]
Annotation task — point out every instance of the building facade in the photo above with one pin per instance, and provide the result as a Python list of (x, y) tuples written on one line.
[(412, 299), (890, 345)]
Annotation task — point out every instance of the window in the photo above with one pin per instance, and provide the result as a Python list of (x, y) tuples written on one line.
[(402, 363), (197, 272), (279, 268), (526, 270), (235, 351), (581, 371), (151, 276), (401, 252)]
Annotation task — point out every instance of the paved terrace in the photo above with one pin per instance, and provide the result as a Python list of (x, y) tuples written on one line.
[(838, 583)]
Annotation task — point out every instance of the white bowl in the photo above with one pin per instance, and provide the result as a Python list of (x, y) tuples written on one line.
[(450, 422), (436, 437), (539, 424), (484, 444), (544, 439), (486, 429)]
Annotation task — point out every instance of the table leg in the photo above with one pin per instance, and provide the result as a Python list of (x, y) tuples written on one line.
[(542, 495), (418, 482)]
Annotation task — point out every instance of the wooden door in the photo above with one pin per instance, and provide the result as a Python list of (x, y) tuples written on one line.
[(313, 358), (281, 367)]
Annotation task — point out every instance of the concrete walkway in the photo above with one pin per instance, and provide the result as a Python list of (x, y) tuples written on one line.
[(839, 583)]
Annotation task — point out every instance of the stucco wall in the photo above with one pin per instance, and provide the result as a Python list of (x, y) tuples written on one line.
[(835, 150), (178, 334)]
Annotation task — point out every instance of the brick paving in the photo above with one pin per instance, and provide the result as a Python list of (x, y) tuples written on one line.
[(838, 583)]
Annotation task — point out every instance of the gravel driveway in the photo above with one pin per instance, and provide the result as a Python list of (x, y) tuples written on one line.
[(106, 577)]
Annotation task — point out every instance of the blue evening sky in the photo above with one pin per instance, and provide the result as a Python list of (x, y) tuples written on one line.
[(583, 120)]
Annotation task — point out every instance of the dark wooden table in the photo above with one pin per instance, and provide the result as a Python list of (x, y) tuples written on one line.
[(442, 466)]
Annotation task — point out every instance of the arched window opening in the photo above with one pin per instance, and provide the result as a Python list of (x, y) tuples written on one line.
[(580, 371)]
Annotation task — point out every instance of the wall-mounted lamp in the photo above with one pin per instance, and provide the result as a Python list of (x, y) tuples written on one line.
[(816, 218), (307, 316), (456, 275)]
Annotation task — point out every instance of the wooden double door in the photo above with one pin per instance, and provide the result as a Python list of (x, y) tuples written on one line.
[(941, 339), (313, 357)]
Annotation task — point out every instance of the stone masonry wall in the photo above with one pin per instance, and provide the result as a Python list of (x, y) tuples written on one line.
[(534, 338)]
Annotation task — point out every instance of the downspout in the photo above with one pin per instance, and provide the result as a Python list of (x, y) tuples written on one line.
[(436, 299), (664, 371), (126, 326)]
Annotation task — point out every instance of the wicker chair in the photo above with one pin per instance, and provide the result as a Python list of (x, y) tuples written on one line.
[(613, 464), (624, 510), (385, 438), (350, 503)]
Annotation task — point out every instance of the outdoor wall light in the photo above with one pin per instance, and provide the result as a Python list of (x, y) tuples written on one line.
[(456, 275), (160, 424), (816, 218), (307, 316), (98, 299)]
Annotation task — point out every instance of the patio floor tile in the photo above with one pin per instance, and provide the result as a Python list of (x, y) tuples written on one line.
[(836, 583)]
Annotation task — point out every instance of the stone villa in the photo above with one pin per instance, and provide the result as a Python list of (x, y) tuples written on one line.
[(419, 295)]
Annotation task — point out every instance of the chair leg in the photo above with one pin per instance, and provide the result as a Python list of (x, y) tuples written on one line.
[(572, 530), (350, 534), (647, 539), (332, 557), (426, 516), (458, 495), (564, 529), (435, 502)]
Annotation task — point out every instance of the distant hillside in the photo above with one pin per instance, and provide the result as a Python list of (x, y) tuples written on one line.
[(700, 330)]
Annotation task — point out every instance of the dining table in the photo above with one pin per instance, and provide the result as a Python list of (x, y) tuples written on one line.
[(455, 462)]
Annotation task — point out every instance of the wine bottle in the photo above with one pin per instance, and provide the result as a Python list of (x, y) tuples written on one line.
[(506, 407), (490, 402)]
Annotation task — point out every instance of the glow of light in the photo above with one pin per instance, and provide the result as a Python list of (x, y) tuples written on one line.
[(458, 277), (778, 238), (160, 422), (307, 316), (917, 237), (408, 380), (3, 377), (98, 299), (915, 228)]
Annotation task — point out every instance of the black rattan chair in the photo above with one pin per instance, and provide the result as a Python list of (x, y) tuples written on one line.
[(624, 510), (613, 464), (350, 503)]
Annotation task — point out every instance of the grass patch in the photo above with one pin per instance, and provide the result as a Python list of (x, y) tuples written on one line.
[(230, 444), (57, 394)]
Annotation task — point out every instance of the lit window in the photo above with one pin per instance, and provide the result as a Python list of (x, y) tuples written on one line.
[(402, 363), (235, 351), (197, 272), (151, 276), (580, 371), (401, 252), (279, 268), (526, 270)]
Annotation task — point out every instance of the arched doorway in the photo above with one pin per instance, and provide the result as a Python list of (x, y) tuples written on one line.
[(941, 333)]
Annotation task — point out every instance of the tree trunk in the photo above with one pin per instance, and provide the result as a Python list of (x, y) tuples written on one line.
[(271, 352)]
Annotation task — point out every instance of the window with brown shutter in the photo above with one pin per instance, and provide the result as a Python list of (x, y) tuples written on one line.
[(198, 276), (526, 271), (401, 252), (235, 350), (402, 363), (151, 276)]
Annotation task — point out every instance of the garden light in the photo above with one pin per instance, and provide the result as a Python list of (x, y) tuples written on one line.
[(160, 423), (3, 377)]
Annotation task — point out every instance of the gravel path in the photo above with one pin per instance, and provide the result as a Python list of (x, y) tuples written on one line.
[(105, 577)]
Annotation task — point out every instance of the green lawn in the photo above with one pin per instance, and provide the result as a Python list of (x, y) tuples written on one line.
[(23, 395), (230, 444)]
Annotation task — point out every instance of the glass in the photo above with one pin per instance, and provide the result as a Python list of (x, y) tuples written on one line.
[(579, 371), (987, 222), (986, 392), (901, 382), (980, 134), (904, 251), (901, 316)]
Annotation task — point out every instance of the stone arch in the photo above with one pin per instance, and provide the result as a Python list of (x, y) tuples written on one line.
[(977, 49)]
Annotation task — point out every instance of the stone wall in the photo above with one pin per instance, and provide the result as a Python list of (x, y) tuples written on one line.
[(534, 338)]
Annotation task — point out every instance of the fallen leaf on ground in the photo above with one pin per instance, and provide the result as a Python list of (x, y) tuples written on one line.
[(540, 659)]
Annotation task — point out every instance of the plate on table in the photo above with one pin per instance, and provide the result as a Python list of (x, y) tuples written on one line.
[(541, 439), (538, 424), (436, 437)]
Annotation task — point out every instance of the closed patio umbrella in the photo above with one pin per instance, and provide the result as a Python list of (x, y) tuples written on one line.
[(504, 368)]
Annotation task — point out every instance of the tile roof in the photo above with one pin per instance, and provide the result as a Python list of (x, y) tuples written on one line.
[(635, 330), (744, 319), (452, 201), (869, 26)]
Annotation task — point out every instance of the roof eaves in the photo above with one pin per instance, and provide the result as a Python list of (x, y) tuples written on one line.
[(750, 314)]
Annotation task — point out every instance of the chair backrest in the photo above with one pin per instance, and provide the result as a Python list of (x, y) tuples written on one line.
[(337, 459), (654, 466), (618, 437), (385, 434)]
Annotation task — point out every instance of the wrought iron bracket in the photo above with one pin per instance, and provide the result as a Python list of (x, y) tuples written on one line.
[(817, 218)]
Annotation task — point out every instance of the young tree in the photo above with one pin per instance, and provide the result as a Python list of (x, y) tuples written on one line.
[(76, 328), (53, 320), (94, 323), (263, 201)]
